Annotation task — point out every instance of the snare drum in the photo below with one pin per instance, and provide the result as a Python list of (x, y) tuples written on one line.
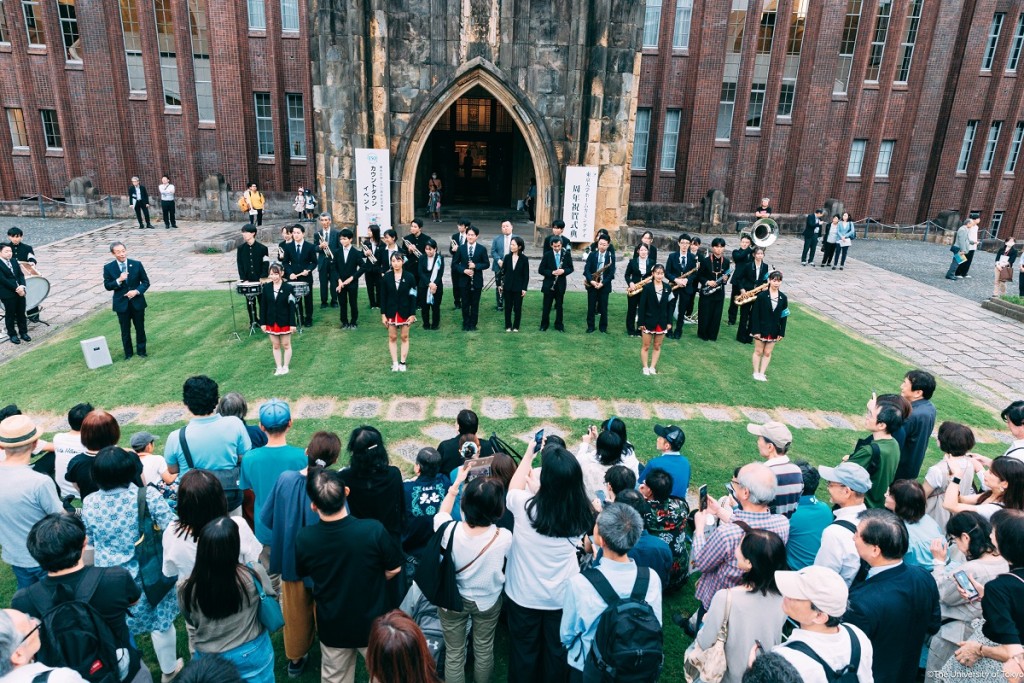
[(248, 288), (36, 289), (300, 288)]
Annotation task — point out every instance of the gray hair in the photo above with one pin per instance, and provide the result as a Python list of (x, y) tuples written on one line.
[(115, 245), (620, 526), (233, 404), (326, 215), (760, 481), (10, 640)]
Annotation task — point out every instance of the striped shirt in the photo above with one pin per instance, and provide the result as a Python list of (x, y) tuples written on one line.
[(714, 555), (789, 486)]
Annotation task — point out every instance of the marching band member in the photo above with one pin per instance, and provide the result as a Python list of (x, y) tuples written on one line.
[(714, 269), (655, 316), (458, 239), (768, 323), (286, 238), (638, 268), (693, 288), (299, 262), (557, 230), (326, 241), (599, 286), (277, 316), (253, 261), (431, 280), (23, 253), (371, 271), (740, 258), (398, 308), (515, 280), (555, 266), (418, 239), (647, 240), (747, 278), (679, 263), (472, 262), (500, 247), (346, 267)]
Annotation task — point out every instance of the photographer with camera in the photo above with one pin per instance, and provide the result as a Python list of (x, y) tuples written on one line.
[(451, 457)]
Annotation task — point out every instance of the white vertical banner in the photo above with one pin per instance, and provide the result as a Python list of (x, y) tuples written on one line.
[(373, 190), (580, 209)]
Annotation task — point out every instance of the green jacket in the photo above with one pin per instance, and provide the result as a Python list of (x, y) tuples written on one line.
[(889, 451)]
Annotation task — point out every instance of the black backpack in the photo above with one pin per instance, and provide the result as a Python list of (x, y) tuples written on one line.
[(73, 633), (847, 674), (628, 645)]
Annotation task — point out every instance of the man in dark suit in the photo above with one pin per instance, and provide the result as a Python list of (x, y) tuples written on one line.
[(740, 258), (128, 281), (138, 199), (679, 262), (459, 238), (326, 240), (897, 605), (557, 230), (599, 286), (472, 262), (299, 262), (417, 238), (812, 231), (12, 295), (468, 423), (555, 266), (253, 261), (348, 266)]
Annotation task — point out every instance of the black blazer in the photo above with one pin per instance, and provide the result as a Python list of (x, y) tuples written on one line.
[(370, 268), (547, 266), (749, 276), (635, 272), (131, 196), (652, 252), (480, 260), (424, 276), (398, 300), (450, 456), (813, 226), (277, 309), (763, 320), (384, 258), (656, 310), (421, 244), (1012, 254), (342, 269), (741, 257), (677, 264), (10, 280), (591, 267), (707, 271), (137, 279), (897, 609), (566, 244), (517, 280), (296, 262), (253, 262)]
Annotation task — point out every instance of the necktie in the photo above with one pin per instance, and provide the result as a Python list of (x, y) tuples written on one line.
[(558, 260), (506, 246), (471, 251), (600, 261)]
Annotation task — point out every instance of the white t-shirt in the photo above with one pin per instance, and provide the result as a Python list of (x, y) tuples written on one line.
[(25, 674), (834, 648), (594, 471), (937, 477), (153, 466), (539, 567), (180, 551), (483, 580), (65, 447)]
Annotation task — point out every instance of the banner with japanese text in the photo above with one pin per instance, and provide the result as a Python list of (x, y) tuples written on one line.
[(373, 190), (580, 208)]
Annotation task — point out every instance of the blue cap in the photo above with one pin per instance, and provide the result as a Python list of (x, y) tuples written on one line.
[(849, 474), (275, 414)]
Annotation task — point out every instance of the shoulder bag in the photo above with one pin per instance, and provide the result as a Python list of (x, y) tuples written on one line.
[(149, 553), (709, 665), (435, 574), (271, 615), (228, 478)]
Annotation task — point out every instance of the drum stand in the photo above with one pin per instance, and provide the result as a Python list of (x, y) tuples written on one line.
[(234, 321), (250, 304)]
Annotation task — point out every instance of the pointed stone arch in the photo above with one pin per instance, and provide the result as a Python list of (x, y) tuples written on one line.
[(480, 72)]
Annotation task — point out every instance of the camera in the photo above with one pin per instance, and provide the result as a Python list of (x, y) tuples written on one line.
[(469, 450)]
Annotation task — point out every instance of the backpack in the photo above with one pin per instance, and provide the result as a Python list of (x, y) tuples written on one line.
[(73, 633), (847, 674), (628, 644)]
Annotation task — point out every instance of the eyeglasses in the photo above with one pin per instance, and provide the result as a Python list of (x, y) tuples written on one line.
[(28, 635)]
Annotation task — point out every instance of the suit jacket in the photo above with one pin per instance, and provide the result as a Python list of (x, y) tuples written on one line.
[(412, 262), (1012, 254), (333, 239), (479, 259), (656, 310), (591, 267), (253, 262), (741, 257), (498, 250), (10, 280), (677, 264), (813, 226), (635, 272), (749, 276), (897, 609), (517, 279), (450, 456), (566, 244), (764, 321), (131, 195), (384, 259), (343, 269), (137, 280), (23, 252), (296, 262), (547, 266), (398, 299), (707, 272), (425, 278), (278, 309), (371, 268)]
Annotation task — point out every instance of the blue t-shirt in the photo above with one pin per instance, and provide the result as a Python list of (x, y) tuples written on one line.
[(214, 441), (675, 464), (261, 468), (805, 529)]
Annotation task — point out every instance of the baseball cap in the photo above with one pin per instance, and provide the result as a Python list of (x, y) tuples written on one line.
[(275, 414), (18, 430), (822, 586), (849, 474), (140, 440), (673, 434), (776, 432)]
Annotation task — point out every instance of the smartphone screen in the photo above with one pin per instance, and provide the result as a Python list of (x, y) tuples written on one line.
[(965, 583), (479, 467), (539, 437), (702, 494)]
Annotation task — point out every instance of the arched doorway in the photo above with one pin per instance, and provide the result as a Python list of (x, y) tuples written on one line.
[(527, 151)]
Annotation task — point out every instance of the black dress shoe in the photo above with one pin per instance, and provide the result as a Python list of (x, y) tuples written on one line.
[(559, 328), (325, 305), (334, 304), (15, 340), (683, 621), (590, 330), (543, 329), (143, 354), (25, 337)]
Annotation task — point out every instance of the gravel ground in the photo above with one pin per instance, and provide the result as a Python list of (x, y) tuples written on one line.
[(40, 231)]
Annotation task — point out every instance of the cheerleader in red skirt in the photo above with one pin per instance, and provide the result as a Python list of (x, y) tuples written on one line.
[(398, 308), (655, 317), (277, 319)]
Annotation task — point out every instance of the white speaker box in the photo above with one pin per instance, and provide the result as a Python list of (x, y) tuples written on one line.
[(96, 352)]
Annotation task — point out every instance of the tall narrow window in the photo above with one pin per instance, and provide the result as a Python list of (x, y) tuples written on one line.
[(257, 15), (756, 107), (856, 158), (200, 30), (990, 146), (69, 30), (878, 40), (966, 145), (847, 44), (1018, 43), (787, 90), (726, 107), (132, 46), (681, 31), (670, 140), (289, 15), (4, 36), (1018, 137), (884, 158), (766, 27), (33, 22), (993, 41), (762, 62), (909, 40), (16, 122), (652, 23), (641, 137), (296, 126), (264, 125), (51, 129), (164, 12), (997, 222)]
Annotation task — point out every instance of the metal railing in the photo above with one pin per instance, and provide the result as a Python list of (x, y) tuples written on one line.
[(869, 227), (42, 201)]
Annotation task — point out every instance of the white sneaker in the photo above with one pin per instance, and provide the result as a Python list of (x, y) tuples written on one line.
[(401, 367), (277, 371), (967, 276), (757, 376), (647, 371), (394, 367), (284, 370), (653, 371), (761, 378)]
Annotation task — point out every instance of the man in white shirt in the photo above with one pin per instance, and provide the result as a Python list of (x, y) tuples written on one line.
[(815, 597), (499, 250), (847, 485), (67, 445), (19, 643)]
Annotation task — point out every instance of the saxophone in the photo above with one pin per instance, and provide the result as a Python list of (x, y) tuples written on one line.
[(742, 299), (685, 275), (638, 287)]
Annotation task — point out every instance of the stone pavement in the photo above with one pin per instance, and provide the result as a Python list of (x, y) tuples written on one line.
[(39, 231)]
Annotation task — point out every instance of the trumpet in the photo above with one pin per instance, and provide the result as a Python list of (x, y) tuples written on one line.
[(638, 287), (280, 254), (455, 245), (369, 253), (686, 274), (326, 246), (742, 299), (411, 248)]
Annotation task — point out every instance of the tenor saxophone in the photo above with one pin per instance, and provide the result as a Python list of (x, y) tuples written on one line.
[(686, 274), (638, 287), (742, 299)]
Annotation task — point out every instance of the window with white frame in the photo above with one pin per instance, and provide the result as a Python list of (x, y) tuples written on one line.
[(787, 89), (1018, 43), (200, 30), (885, 151), (264, 125), (296, 126), (16, 122), (853, 166), (997, 222), (990, 146), (966, 145), (132, 46), (641, 138), (681, 30), (910, 29), (652, 23), (69, 30), (726, 107), (51, 129), (847, 44), (289, 15), (33, 22), (878, 40), (164, 12), (731, 74), (1018, 138), (4, 36), (756, 107), (257, 15), (670, 139), (993, 41)]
